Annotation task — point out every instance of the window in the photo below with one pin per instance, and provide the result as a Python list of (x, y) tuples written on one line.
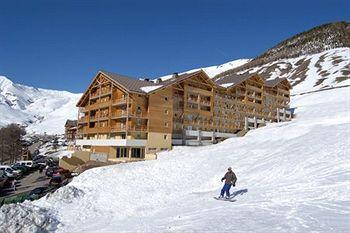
[(166, 111), (136, 152), (166, 124), (122, 152), (165, 137), (165, 98)]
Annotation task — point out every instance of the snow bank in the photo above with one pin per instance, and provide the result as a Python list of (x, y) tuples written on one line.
[(35, 218), (296, 175)]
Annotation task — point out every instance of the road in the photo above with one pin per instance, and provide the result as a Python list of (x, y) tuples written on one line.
[(28, 183)]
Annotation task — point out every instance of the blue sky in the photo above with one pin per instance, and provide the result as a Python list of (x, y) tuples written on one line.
[(62, 44)]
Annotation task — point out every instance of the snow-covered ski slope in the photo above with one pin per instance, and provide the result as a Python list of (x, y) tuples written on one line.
[(297, 175)]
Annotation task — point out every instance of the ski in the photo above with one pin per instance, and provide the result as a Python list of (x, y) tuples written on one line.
[(224, 199)]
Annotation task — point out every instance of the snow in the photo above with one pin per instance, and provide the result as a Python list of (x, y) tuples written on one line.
[(226, 85), (148, 89), (212, 71), (296, 175), (41, 110)]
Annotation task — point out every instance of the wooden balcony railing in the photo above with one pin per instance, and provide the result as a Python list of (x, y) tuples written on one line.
[(118, 128), (82, 109), (206, 103), (104, 129), (119, 114), (119, 101), (138, 128), (82, 120), (138, 114)]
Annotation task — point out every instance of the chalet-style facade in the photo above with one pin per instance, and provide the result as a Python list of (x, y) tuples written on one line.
[(70, 133), (70, 130), (132, 119)]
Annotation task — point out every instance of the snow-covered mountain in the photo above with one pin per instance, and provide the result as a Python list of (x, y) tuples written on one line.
[(330, 68), (312, 60), (292, 177), (40, 109), (327, 69)]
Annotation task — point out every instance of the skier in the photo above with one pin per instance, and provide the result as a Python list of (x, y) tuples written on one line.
[(230, 179)]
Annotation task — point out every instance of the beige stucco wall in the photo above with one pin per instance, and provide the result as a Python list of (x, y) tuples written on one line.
[(150, 156), (78, 158), (112, 152), (156, 140)]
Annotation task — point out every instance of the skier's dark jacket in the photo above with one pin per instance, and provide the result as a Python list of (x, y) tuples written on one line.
[(230, 178)]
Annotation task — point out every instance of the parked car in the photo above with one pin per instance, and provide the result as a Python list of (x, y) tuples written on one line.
[(65, 173), (27, 163), (56, 179), (51, 170), (37, 193), (22, 168), (3, 179), (10, 172)]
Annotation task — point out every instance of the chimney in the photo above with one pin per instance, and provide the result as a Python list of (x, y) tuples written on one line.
[(175, 75), (159, 80), (146, 79)]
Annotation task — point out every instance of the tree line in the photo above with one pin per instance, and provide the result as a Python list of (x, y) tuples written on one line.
[(11, 143)]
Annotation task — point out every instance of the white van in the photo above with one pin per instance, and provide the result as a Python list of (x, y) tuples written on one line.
[(27, 163)]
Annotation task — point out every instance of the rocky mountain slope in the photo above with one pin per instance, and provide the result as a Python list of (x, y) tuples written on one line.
[(322, 54), (327, 69), (40, 109)]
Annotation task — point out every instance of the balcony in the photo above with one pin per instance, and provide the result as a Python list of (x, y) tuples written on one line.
[(138, 115), (105, 91), (105, 129), (94, 95), (99, 105), (112, 142), (82, 120), (82, 110), (192, 100), (118, 128), (138, 128), (119, 114), (121, 101), (205, 103), (101, 92)]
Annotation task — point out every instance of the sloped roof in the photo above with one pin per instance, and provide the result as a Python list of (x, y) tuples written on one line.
[(137, 85), (71, 123), (141, 86), (234, 79), (274, 82), (130, 84)]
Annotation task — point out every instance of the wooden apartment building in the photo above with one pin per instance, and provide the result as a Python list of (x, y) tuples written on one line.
[(131, 119)]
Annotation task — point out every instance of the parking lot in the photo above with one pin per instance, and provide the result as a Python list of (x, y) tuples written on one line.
[(27, 183)]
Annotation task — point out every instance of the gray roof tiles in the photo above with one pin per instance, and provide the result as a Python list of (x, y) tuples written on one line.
[(130, 84), (135, 85)]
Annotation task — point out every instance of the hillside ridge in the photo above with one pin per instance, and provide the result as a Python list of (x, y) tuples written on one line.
[(315, 40)]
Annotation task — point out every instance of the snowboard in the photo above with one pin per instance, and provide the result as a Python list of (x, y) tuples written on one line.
[(224, 199)]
